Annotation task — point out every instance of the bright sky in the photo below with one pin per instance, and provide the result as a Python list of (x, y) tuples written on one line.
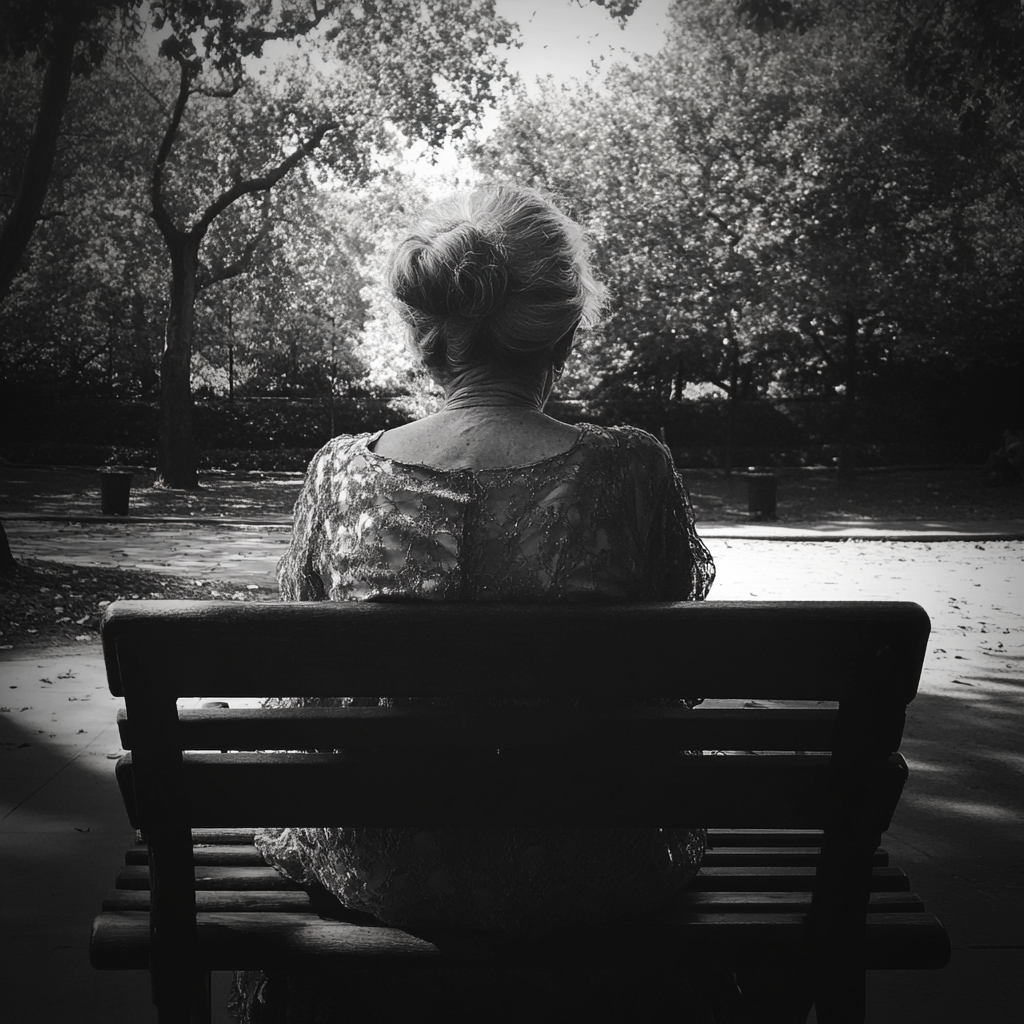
[(567, 39), (564, 39)]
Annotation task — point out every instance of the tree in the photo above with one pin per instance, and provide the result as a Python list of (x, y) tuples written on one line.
[(82, 312), (291, 327), (967, 55), (665, 165), (68, 37), (768, 203), (424, 70)]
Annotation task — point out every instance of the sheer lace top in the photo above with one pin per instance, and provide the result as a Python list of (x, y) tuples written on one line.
[(606, 519)]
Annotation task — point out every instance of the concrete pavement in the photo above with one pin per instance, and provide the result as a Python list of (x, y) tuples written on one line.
[(247, 550)]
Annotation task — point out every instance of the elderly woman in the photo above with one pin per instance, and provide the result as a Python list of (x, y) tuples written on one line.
[(492, 500)]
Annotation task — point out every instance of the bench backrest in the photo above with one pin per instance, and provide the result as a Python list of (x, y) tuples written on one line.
[(558, 765), (587, 760)]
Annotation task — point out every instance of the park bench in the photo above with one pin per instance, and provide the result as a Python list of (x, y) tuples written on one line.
[(807, 701)]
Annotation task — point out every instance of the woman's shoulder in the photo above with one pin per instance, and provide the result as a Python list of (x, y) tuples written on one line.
[(343, 448), (629, 442)]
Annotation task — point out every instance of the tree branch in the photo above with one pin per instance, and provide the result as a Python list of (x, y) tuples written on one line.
[(816, 340), (297, 28), (78, 363), (21, 220), (144, 86), (160, 214), (244, 262), (222, 94), (263, 183)]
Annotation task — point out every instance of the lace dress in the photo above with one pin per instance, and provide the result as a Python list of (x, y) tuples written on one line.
[(608, 519)]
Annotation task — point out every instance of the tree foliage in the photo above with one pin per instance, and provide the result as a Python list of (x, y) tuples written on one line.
[(67, 38), (424, 71), (84, 313), (777, 208)]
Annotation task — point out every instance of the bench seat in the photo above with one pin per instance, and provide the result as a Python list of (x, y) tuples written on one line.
[(250, 916), (806, 703)]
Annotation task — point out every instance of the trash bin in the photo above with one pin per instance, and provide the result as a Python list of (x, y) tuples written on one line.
[(762, 487), (115, 486)]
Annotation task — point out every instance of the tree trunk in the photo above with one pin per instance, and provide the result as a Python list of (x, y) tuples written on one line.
[(8, 566), (731, 398), (177, 456), (35, 178), (846, 469)]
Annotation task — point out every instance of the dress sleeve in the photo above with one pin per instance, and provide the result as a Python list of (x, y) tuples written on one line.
[(689, 569), (297, 577)]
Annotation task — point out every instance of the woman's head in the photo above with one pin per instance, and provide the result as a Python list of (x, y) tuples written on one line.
[(497, 275)]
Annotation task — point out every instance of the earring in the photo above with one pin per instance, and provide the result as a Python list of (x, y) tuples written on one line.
[(558, 369)]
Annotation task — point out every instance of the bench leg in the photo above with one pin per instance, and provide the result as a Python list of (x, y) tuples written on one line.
[(844, 1000), (774, 994), (183, 1000)]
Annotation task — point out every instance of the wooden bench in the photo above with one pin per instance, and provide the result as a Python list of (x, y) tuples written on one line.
[(795, 896)]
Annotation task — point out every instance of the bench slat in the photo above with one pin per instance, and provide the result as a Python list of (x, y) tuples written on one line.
[(369, 790), (198, 648), (299, 902), (734, 878), (136, 876), (236, 855), (716, 836), (787, 879), (291, 901), (484, 728), (232, 941), (764, 837), (221, 836)]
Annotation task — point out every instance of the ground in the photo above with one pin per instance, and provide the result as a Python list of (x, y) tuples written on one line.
[(959, 829), (28, 600), (49, 603), (804, 496)]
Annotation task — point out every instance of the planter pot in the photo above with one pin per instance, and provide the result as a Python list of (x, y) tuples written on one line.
[(762, 488), (115, 487)]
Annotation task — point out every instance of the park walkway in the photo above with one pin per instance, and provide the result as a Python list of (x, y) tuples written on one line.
[(959, 830), (247, 550)]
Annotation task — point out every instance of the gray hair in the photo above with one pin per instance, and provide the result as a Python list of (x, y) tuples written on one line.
[(497, 274)]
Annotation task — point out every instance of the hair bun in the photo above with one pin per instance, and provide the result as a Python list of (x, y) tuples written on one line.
[(456, 273), (479, 276), (496, 273)]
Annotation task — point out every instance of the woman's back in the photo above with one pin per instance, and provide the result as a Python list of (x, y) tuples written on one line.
[(476, 438), (605, 518)]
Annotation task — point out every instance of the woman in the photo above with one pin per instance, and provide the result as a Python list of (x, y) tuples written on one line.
[(491, 500)]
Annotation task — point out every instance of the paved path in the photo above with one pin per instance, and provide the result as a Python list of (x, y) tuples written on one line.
[(247, 551), (236, 552)]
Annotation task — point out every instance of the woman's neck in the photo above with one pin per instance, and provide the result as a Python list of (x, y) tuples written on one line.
[(494, 388)]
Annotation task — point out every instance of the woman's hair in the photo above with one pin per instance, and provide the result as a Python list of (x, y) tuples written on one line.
[(498, 274)]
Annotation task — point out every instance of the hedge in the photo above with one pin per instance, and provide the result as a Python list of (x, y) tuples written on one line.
[(282, 434)]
